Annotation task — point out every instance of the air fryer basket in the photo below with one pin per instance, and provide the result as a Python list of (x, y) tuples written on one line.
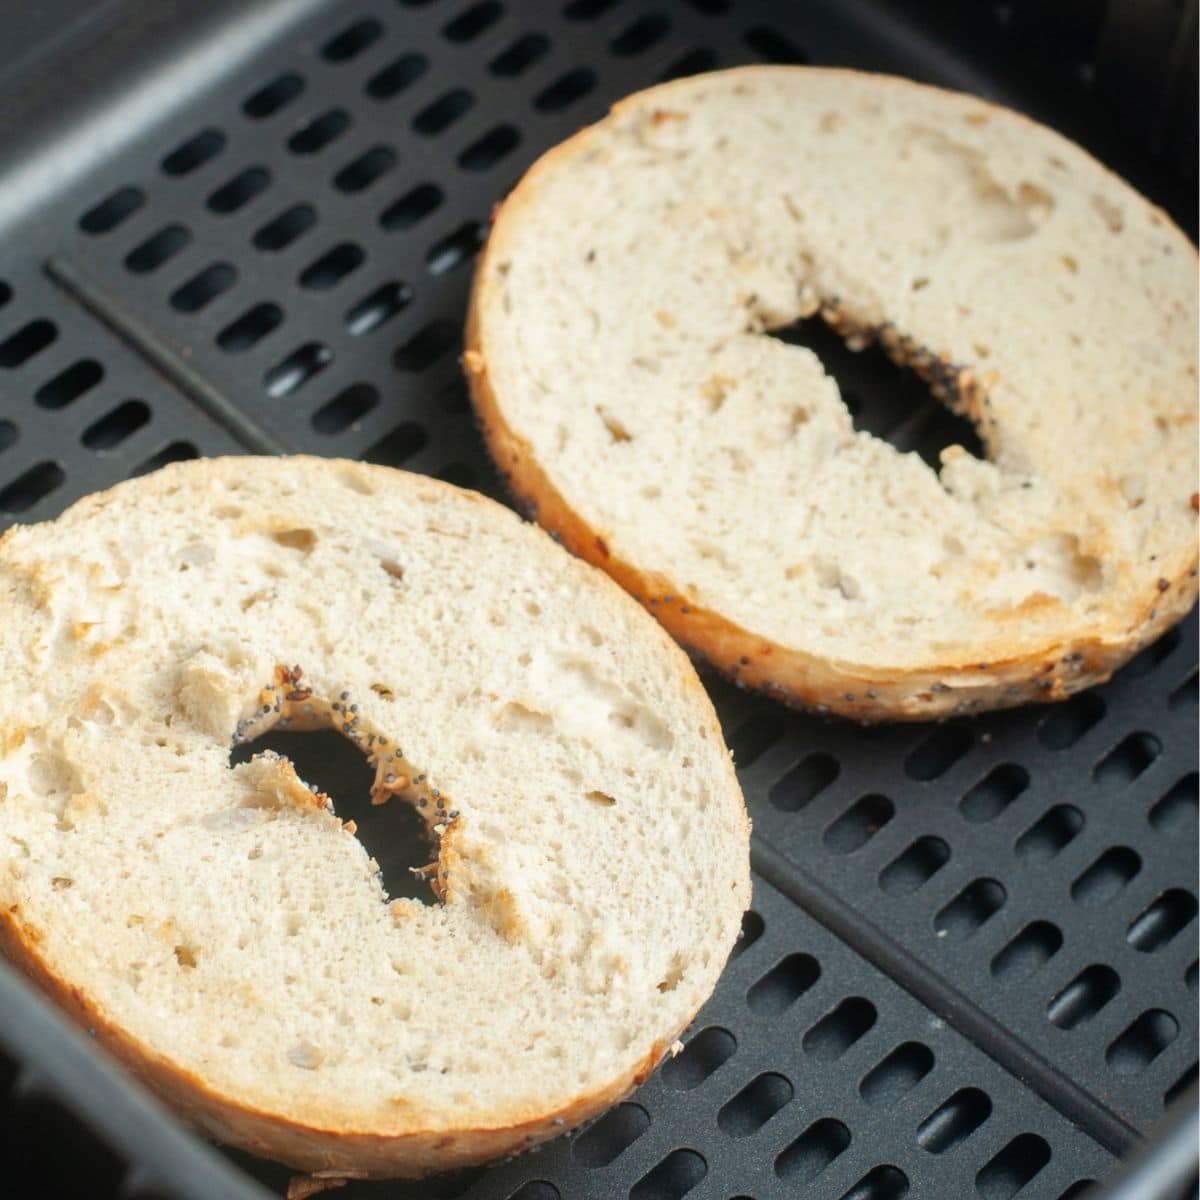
[(970, 968)]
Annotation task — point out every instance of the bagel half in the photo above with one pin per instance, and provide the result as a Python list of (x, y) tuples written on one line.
[(227, 935), (619, 359)]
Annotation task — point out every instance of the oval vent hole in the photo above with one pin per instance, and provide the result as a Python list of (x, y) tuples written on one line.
[(954, 1121), (704, 1053), (784, 984), (838, 1030), (1084, 996), (889, 1081), (1028, 952)]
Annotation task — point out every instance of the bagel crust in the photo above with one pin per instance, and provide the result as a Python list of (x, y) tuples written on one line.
[(227, 936), (618, 363)]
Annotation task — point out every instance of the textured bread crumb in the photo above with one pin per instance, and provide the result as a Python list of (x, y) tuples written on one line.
[(229, 936)]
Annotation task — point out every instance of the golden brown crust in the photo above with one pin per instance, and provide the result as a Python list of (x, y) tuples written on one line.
[(1017, 675)]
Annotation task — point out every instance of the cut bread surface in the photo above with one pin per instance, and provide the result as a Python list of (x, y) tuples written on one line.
[(221, 927), (620, 360)]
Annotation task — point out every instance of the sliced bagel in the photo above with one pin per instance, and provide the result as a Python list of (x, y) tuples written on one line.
[(228, 936), (619, 356)]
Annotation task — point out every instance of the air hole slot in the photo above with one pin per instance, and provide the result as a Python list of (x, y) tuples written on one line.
[(954, 1121), (1084, 996), (352, 41), (694, 62), (879, 1183), (178, 451), (378, 308), (472, 22), (994, 793), (609, 1138), (641, 35), (398, 446), (412, 207), (1028, 952), (1142, 1042), (202, 289), (704, 1054), (565, 90), (858, 824), (1107, 876), (937, 753), (34, 485), (1188, 692), (1050, 834), (839, 1029), (426, 346), (316, 133), (332, 267), (456, 248), (886, 1084), (351, 404), (6, 293), (111, 430), (752, 929), (297, 369), (1176, 812), (112, 211), (804, 782), (271, 97), (896, 404), (250, 328), (755, 736), (773, 47), (67, 386), (587, 10), (157, 249), (280, 232), (194, 153), (812, 1152), (1127, 760), (394, 834), (396, 76), (973, 907), (358, 175), (443, 112), (17, 349), (674, 1177), (490, 149), (1161, 921), (239, 191), (1067, 723), (755, 1105), (520, 56), (8, 435), (783, 984), (1181, 1086), (535, 1189), (1153, 656), (1078, 1189), (915, 866), (1013, 1167)]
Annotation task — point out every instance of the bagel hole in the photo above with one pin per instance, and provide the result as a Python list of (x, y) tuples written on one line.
[(393, 834), (892, 403)]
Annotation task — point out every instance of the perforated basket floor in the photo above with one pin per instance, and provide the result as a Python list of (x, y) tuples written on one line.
[(971, 964)]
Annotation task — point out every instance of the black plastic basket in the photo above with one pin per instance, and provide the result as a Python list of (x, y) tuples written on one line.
[(970, 969)]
